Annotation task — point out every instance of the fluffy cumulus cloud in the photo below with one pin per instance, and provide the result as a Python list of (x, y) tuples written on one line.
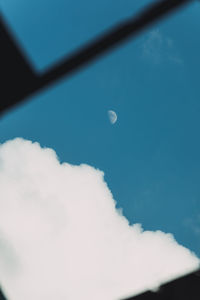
[(61, 236)]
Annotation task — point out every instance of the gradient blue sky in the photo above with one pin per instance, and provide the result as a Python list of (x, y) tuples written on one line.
[(151, 155)]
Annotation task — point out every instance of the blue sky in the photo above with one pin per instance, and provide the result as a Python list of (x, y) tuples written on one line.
[(150, 156)]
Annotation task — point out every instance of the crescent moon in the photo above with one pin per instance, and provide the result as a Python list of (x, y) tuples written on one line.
[(112, 116)]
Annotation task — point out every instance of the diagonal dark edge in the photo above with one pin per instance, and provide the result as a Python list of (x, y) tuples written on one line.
[(2, 297), (20, 80), (183, 288), (112, 38)]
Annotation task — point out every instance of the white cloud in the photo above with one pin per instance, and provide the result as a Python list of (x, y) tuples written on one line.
[(61, 236), (193, 224), (159, 48)]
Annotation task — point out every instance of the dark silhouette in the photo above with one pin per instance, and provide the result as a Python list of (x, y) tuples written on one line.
[(20, 80), (184, 288), (2, 297)]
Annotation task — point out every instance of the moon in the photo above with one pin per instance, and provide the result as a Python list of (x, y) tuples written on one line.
[(112, 116)]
